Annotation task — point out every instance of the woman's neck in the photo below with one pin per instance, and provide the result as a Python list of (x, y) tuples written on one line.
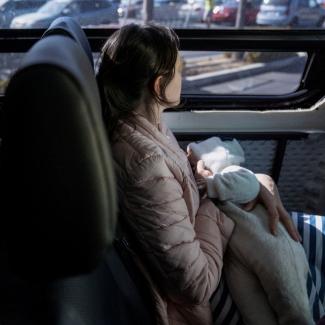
[(152, 114)]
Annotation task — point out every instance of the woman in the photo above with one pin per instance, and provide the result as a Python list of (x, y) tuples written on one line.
[(182, 236)]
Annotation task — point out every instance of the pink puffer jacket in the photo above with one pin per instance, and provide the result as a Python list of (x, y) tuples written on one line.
[(177, 232)]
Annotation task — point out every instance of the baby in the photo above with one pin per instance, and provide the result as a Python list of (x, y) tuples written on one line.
[(227, 181), (266, 274)]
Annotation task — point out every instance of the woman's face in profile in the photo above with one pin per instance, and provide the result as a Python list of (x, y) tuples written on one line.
[(173, 90)]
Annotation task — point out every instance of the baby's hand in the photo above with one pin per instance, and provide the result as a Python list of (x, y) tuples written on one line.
[(202, 170)]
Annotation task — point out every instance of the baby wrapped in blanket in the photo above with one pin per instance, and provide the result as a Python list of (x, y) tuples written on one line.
[(266, 274)]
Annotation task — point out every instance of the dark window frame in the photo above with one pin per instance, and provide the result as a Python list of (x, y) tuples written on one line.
[(311, 89)]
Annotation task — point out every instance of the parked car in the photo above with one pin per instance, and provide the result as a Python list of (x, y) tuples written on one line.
[(163, 10), (167, 10), (86, 12), (226, 13), (130, 8), (192, 11), (9, 9), (306, 13)]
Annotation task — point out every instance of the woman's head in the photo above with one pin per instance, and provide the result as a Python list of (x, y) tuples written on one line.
[(137, 68)]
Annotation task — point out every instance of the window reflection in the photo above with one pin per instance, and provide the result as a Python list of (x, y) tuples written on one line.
[(213, 14)]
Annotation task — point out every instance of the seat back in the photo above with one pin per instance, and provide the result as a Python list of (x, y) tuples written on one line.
[(69, 27), (116, 292), (59, 190), (46, 113)]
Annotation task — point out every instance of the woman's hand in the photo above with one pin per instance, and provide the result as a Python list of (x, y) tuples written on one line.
[(200, 175), (191, 159), (199, 172), (270, 198)]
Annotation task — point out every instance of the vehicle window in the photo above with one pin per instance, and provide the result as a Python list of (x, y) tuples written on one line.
[(18, 5), (303, 3), (209, 74), (87, 6), (102, 4), (230, 3), (242, 73), (220, 73), (75, 8), (192, 14), (9, 62)]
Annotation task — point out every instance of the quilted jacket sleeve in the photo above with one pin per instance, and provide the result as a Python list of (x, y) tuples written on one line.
[(187, 258)]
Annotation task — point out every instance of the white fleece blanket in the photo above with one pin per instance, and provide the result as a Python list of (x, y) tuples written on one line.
[(266, 275)]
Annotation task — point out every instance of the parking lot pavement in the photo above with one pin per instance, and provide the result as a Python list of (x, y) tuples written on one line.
[(275, 77)]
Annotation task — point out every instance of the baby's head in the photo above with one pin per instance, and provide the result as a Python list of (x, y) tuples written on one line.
[(236, 184), (216, 154)]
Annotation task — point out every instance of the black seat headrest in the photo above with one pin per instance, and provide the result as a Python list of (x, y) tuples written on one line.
[(69, 27), (58, 182)]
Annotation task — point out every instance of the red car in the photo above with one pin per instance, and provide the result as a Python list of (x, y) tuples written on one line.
[(226, 13)]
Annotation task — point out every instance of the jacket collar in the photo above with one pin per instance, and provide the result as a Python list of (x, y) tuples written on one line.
[(160, 134)]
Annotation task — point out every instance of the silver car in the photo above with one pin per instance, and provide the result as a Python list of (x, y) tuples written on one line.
[(192, 10), (86, 12), (9, 9), (304, 13)]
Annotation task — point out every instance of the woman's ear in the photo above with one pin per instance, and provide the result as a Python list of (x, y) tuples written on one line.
[(157, 86)]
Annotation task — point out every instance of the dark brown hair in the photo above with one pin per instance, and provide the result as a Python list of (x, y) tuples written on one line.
[(131, 60)]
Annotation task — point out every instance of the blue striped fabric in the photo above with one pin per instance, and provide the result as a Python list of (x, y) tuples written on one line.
[(312, 231), (224, 309)]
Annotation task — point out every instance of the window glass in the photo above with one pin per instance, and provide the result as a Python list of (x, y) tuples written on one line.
[(303, 3), (89, 13), (87, 6), (9, 62), (102, 4), (202, 14), (219, 73), (21, 5), (244, 73)]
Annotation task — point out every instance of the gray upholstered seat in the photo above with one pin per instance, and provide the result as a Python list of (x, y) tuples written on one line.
[(57, 171), (70, 27), (58, 188)]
